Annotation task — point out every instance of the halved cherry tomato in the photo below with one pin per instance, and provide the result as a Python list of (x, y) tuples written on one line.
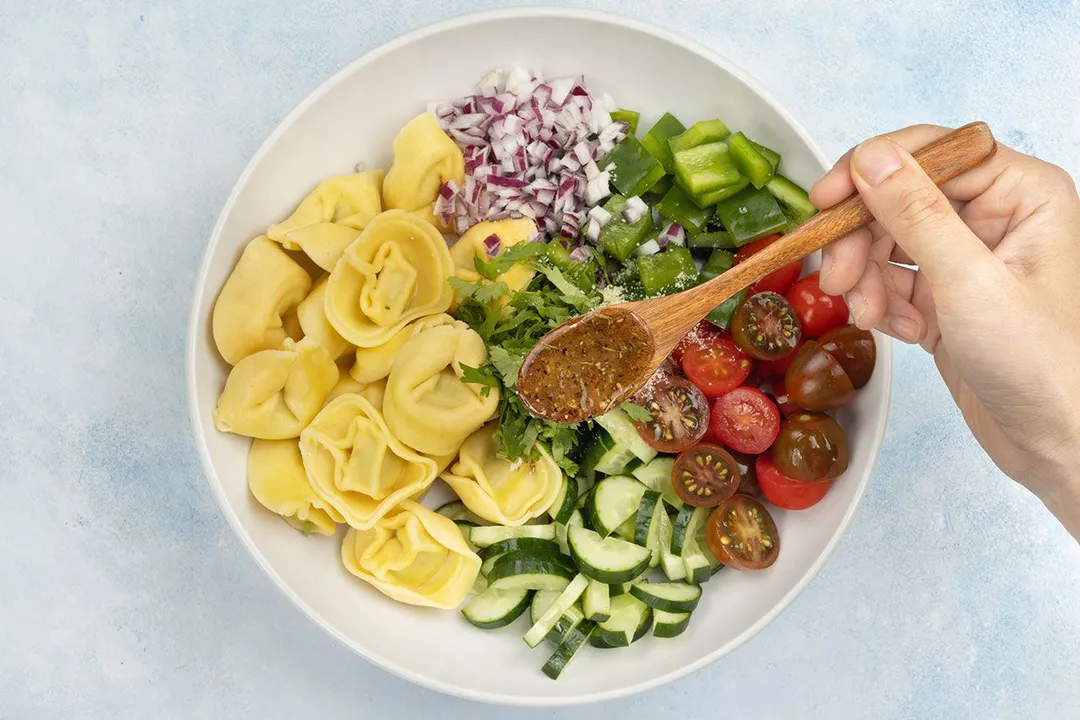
[(701, 333), (745, 420), (680, 414), (774, 388), (705, 475), (775, 368), (784, 492), (855, 350), (715, 365), (819, 313), (816, 380), (742, 534), (748, 485), (765, 327), (779, 281), (811, 447)]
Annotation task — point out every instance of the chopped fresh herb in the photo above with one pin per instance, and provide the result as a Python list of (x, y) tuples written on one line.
[(636, 412), (549, 300), (502, 262)]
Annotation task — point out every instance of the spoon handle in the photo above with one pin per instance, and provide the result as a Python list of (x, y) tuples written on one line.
[(944, 159)]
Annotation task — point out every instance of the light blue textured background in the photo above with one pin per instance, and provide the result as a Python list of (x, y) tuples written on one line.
[(123, 593)]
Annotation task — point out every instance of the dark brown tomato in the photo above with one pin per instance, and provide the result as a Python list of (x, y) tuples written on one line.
[(680, 414), (854, 349), (816, 380), (748, 482), (705, 475), (811, 447), (742, 534), (766, 327)]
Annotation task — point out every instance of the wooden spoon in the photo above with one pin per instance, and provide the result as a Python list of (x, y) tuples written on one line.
[(590, 364)]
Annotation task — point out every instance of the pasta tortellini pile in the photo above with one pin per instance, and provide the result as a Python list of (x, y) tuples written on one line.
[(348, 376)]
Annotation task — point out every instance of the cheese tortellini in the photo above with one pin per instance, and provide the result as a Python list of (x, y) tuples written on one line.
[(357, 465), (274, 394), (375, 363), (394, 273), (424, 159), (471, 246), (265, 285), (498, 490), (311, 314), (427, 405), (414, 556), (372, 392), (277, 479), (331, 217)]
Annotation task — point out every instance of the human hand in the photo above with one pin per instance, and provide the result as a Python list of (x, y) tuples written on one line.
[(993, 297)]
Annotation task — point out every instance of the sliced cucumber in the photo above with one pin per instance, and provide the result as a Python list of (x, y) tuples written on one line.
[(491, 534), (480, 585), (534, 546), (521, 570), (584, 485), (569, 620), (457, 511), (596, 601), (564, 502), (669, 624), (687, 522), (630, 620), (618, 589), (607, 456), (647, 521), (612, 502), (696, 562), (496, 608), (623, 431), (626, 530), (568, 649), (546, 622), (541, 601), (669, 596), (670, 563), (655, 475), (609, 560)]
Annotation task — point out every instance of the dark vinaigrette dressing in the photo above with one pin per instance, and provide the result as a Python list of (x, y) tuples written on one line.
[(586, 366)]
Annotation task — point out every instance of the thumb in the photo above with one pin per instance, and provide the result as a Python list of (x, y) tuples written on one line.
[(915, 212)]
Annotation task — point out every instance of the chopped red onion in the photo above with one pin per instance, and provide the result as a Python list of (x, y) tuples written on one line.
[(581, 252), (530, 148), (601, 216), (592, 232), (650, 247), (492, 244), (635, 210), (673, 234)]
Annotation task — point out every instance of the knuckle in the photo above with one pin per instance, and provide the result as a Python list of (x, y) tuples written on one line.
[(921, 205)]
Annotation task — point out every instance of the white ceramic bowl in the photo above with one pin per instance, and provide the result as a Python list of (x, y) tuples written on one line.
[(354, 117)]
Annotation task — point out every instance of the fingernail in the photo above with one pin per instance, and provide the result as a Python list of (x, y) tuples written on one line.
[(875, 160), (905, 328), (856, 303)]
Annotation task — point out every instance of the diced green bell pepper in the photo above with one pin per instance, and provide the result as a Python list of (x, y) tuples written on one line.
[(771, 155), (656, 140), (631, 117), (792, 198), (700, 133), (750, 162), (580, 272), (709, 199), (717, 264), (619, 238), (677, 207), (668, 271), (633, 169), (750, 215), (714, 239), (705, 168)]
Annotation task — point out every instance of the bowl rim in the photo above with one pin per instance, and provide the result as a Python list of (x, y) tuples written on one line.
[(196, 316)]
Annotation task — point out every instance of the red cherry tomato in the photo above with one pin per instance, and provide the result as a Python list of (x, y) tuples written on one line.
[(701, 333), (782, 491), (778, 282), (819, 313), (715, 365), (745, 420), (775, 368)]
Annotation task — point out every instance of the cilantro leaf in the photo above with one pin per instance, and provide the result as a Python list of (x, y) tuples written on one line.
[(571, 293), (507, 364), (502, 262), (636, 412), (492, 291), (480, 376)]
